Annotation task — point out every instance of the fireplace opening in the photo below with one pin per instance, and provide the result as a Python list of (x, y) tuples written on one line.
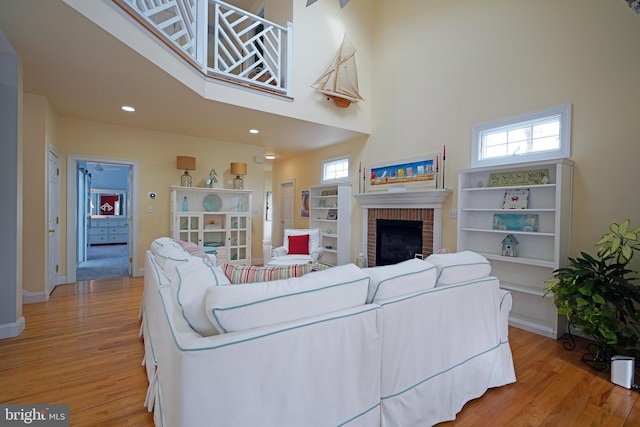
[(397, 240)]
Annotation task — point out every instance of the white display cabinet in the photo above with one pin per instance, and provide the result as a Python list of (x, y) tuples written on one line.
[(542, 231), (330, 211), (219, 220)]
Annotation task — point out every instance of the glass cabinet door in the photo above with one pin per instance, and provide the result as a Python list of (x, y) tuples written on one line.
[(189, 228), (239, 238)]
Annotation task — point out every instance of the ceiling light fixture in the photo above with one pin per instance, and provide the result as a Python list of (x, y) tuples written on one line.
[(128, 108), (254, 131), (270, 156)]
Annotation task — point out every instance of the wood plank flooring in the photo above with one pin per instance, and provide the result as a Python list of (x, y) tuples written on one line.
[(82, 348)]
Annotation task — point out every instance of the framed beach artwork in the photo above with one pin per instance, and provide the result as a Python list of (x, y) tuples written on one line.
[(416, 172)]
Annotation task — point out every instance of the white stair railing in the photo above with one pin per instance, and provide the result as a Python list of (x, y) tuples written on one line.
[(237, 45)]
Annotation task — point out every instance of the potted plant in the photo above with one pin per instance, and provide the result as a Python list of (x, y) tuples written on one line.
[(598, 296)]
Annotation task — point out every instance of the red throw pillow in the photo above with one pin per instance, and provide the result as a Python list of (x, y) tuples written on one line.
[(299, 245)]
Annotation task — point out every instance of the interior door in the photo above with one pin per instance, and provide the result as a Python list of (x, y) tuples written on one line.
[(53, 208), (129, 218), (287, 198)]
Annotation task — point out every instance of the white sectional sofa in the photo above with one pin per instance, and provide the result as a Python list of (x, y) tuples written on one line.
[(398, 345)]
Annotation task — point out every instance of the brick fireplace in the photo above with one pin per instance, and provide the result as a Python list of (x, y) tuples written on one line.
[(425, 206), (411, 214)]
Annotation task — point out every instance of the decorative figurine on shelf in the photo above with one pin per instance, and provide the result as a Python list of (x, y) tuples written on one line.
[(510, 246), (212, 180), (361, 261)]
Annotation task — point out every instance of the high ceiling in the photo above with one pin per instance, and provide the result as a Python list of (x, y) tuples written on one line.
[(88, 74)]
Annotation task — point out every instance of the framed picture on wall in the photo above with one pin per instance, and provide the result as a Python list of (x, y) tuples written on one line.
[(304, 210), (416, 172)]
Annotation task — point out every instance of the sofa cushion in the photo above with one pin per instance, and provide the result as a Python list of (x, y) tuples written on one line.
[(404, 278), (237, 273), (192, 249), (236, 308), (170, 253), (162, 242), (459, 267), (299, 245), (193, 280)]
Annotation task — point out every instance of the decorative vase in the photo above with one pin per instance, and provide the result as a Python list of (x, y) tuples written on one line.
[(361, 261), (185, 204)]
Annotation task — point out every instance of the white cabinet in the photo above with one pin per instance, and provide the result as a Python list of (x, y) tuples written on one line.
[(219, 220), (330, 211), (110, 229), (542, 231)]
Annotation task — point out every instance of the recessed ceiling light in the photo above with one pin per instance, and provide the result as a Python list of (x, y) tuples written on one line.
[(270, 156), (254, 131), (128, 108)]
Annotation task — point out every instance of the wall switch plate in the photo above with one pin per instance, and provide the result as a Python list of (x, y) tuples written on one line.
[(453, 214), (622, 369)]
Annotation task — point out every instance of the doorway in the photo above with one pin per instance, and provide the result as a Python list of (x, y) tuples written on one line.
[(287, 203), (102, 231)]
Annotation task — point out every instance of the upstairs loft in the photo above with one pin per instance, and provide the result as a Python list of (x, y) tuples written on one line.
[(220, 40)]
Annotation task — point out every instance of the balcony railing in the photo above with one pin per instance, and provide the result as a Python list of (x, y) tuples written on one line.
[(235, 45)]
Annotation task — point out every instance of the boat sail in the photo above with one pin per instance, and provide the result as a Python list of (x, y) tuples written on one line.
[(340, 80)]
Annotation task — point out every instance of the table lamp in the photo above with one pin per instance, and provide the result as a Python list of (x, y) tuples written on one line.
[(238, 169), (186, 163)]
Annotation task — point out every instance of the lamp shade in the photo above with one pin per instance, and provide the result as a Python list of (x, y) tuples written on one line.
[(186, 163), (238, 168)]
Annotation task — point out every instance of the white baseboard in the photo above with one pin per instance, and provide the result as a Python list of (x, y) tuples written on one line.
[(8, 330), (34, 297)]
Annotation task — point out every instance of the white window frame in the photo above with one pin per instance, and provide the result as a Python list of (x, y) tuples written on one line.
[(563, 112), (327, 162)]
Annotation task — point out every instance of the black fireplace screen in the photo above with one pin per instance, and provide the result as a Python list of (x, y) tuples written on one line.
[(397, 240)]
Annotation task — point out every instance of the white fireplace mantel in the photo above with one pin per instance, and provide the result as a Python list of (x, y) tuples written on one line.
[(423, 199), (419, 199)]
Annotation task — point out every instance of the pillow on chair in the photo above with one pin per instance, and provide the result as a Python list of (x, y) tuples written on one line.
[(299, 245)]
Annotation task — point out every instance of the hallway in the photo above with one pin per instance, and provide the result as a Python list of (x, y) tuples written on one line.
[(104, 261)]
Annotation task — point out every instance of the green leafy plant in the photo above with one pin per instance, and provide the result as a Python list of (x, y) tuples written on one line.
[(597, 294)]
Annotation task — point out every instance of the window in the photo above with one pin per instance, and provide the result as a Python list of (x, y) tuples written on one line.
[(541, 135), (335, 170)]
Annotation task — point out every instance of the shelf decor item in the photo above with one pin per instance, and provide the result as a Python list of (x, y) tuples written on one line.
[(332, 214), (188, 164), (515, 222), (212, 202), (510, 246), (238, 169), (518, 178), (516, 199)]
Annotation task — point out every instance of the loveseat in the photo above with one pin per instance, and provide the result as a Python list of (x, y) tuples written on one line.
[(400, 345)]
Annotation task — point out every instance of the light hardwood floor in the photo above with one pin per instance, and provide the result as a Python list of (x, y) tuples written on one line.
[(82, 348)]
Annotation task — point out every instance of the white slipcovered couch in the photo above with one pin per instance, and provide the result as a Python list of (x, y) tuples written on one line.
[(400, 345)]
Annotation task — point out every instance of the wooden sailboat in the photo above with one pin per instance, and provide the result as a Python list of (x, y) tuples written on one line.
[(340, 80)]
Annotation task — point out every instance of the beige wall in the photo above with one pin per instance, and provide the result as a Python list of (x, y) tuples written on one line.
[(305, 170), (439, 68), (38, 132), (156, 153), (442, 67)]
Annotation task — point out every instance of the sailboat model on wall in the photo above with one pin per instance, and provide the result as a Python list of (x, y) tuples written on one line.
[(340, 81)]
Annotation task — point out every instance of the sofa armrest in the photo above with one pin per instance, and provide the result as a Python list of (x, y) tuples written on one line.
[(317, 252), (279, 251), (506, 302)]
